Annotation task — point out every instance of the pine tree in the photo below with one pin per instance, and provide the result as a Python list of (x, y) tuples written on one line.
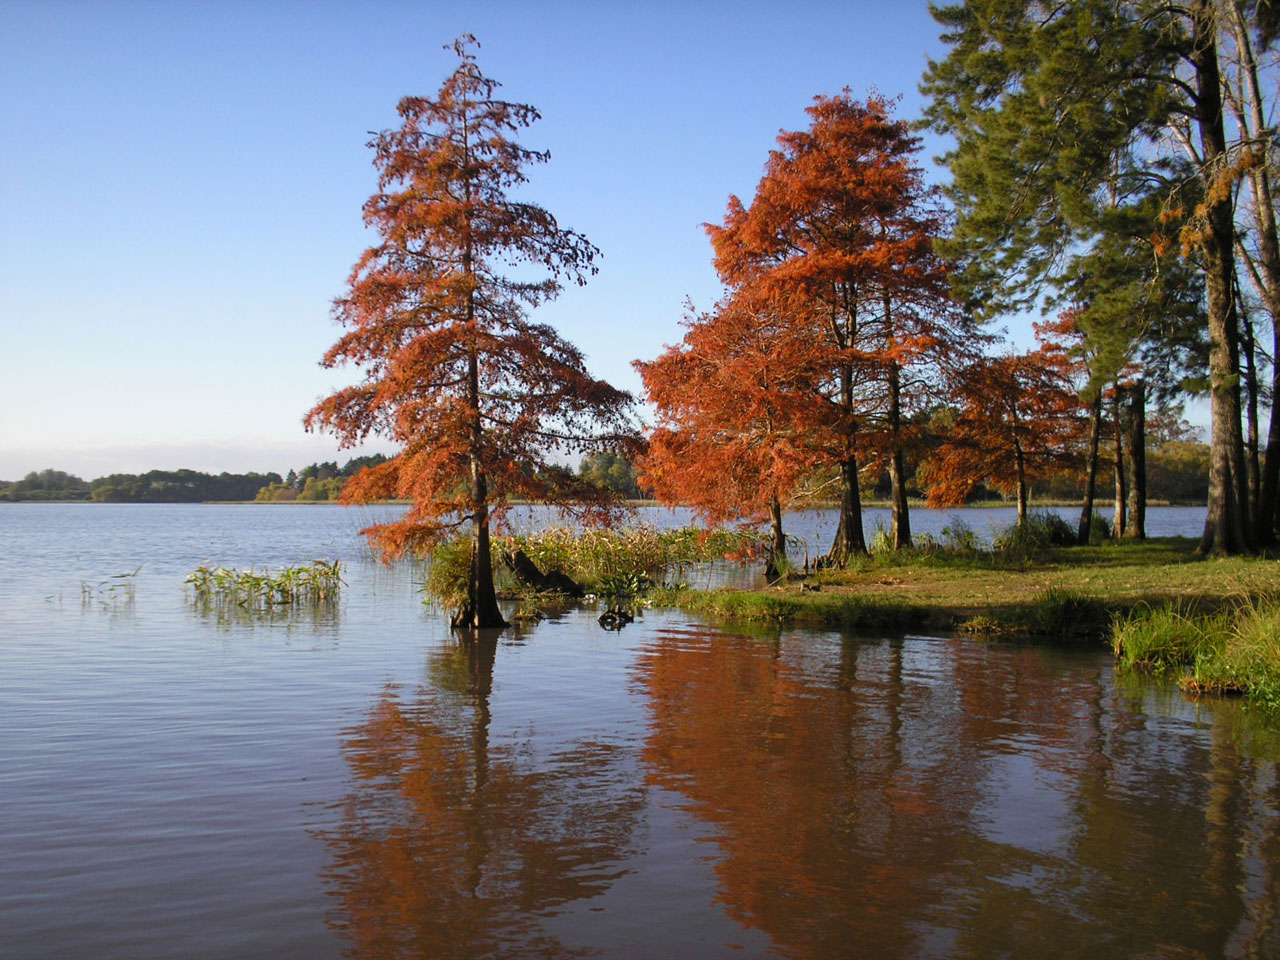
[(1063, 111)]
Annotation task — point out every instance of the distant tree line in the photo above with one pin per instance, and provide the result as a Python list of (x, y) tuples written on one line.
[(319, 481), (1177, 469), (155, 486)]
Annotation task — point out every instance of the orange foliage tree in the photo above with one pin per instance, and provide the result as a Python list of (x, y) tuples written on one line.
[(843, 220), (479, 397), (734, 415), (1019, 421)]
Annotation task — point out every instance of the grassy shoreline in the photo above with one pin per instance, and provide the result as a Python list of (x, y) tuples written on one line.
[(1005, 593), (1161, 608)]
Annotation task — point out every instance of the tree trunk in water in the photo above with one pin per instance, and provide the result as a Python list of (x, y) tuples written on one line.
[(481, 611), (1085, 529), (1117, 430), (1224, 530), (777, 542), (1137, 528), (849, 539), (900, 534)]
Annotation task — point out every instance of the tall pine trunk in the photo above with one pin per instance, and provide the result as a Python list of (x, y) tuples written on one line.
[(1137, 424), (1117, 465), (1251, 414), (1085, 528), (1264, 274), (1224, 529), (1269, 511)]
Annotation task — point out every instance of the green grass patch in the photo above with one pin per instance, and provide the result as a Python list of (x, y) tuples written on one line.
[(1065, 593), (1069, 615), (1169, 636), (1245, 659)]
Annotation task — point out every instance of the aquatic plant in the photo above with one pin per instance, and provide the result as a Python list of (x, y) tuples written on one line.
[(448, 573), (625, 586), (626, 564), (316, 583), (116, 592)]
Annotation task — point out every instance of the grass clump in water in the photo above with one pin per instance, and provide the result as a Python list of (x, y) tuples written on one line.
[(1243, 659), (1162, 638), (1225, 652), (448, 574), (317, 583), (621, 565)]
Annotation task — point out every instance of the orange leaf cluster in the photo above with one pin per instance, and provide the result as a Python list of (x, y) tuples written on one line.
[(480, 399), (1018, 422), (837, 322)]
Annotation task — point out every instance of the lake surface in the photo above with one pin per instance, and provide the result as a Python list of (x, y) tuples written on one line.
[(187, 783)]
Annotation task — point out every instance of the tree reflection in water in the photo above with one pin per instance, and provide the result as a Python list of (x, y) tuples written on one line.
[(905, 798), (450, 846), (909, 800)]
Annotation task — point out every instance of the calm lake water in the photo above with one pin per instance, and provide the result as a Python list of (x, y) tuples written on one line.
[(178, 783)]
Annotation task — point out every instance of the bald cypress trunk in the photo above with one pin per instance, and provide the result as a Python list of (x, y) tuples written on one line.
[(777, 542), (900, 533)]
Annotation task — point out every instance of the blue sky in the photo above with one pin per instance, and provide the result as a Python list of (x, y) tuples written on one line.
[(181, 183)]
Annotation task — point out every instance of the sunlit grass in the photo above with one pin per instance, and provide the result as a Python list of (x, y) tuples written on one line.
[(1234, 650), (1165, 637), (1064, 592)]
